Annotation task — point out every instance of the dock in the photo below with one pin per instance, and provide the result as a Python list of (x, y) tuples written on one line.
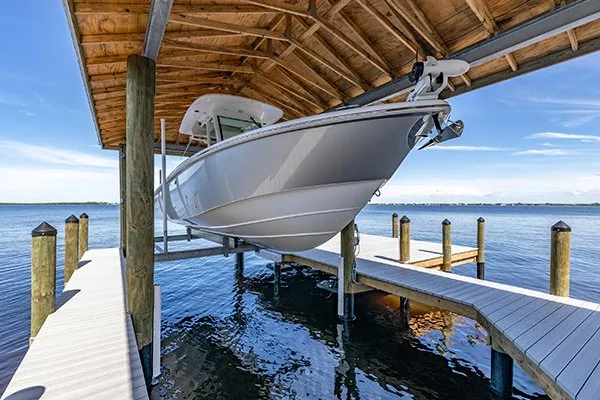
[(555, 339), (86, 349)]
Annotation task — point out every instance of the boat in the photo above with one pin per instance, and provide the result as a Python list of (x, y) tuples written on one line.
[(293, 185)]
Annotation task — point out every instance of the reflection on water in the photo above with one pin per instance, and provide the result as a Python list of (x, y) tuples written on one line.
[(287, 343), (230, 335)]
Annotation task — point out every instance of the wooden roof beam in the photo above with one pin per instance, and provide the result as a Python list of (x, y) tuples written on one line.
[(204, 66), (128, 9), (367, 45), (269, 34), (571, 32), (323, 21), (291, 91), (356, 78), (484, 14), (244, 52)]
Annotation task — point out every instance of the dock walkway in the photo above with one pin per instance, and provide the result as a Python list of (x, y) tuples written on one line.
[(555, 339), (86, 349)]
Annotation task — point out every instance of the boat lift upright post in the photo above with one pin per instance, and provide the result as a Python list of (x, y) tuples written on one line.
[(163, 174)]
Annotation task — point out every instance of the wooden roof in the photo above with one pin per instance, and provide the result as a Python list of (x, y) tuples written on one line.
[(304, 56)]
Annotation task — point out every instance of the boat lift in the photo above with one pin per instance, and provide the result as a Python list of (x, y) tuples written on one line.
[(227, 245)]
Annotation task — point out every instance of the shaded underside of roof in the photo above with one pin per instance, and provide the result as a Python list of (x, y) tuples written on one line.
[(303, 56)]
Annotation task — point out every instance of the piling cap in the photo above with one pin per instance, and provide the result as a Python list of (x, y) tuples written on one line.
[(44, 229), (84, 215), (394, 215), (404, 219), (480, 219), (560, 226), (446, 222), (71, 220)]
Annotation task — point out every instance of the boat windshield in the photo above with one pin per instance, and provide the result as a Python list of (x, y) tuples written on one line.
[(231, 127)]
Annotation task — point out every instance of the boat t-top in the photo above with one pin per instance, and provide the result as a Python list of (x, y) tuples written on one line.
[(293, 185)]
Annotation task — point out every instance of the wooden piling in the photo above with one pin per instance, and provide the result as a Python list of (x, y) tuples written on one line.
[(83, 234), (447, 245), (347, 253), (139, 181), (239, 257), (560, 255), (122, 195), (404, 241), (501, 374), (394, 225), (43, 275), (71, 246), (480, 248)]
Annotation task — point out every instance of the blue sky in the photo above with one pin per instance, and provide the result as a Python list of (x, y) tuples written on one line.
[(533, 139)]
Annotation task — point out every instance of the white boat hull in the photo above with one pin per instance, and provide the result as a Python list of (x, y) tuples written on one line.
[(293, 186)]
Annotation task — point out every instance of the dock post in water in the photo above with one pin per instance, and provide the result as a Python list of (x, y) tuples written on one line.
[(501, 374), (480, 248), (560, 254), (345, 290), (404, 239), (239, 257), (394, 225), (71, 246), (447, 245), (140, 90), (122, 194), (43, 276), (83, 234)]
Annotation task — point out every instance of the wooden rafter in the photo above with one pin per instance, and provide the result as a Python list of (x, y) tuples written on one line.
[(202, 9), (323, 22), (571, 32), (485, 16), (366, 43)]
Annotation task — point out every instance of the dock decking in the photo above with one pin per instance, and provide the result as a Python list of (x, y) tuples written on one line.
[(555, 339), (86, 349)]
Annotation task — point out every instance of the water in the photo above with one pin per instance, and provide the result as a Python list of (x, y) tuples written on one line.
[(228, 335)]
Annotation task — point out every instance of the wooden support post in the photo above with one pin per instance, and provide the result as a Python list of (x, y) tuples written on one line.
[(501, 373), (139, 181), (277, 273), (239, 257), (480, 248), (71, 246), (447, 245), (394, 225), (347, 253), (83, 234), (404, 239), (560, 255), (122, 194), (43, 275)]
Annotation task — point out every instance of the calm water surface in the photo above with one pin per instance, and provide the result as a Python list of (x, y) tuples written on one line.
[(227, 334)]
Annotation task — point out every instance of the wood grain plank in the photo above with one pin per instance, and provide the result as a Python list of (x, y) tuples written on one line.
[(527, 323)]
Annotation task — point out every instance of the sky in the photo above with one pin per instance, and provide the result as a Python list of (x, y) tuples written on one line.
[(534, 138)]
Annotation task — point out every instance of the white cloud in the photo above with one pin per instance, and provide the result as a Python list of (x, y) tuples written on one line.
[(542, 152), (575, 112), (548, 187), (57, 185), (469, 148), (53, 155), (566, 136)]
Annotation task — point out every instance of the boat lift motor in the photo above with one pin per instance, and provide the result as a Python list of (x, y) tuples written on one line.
[(431, 77)]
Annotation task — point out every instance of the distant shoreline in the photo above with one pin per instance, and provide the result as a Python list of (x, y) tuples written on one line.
[(87, 203), (597, 204), (491, 204)]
